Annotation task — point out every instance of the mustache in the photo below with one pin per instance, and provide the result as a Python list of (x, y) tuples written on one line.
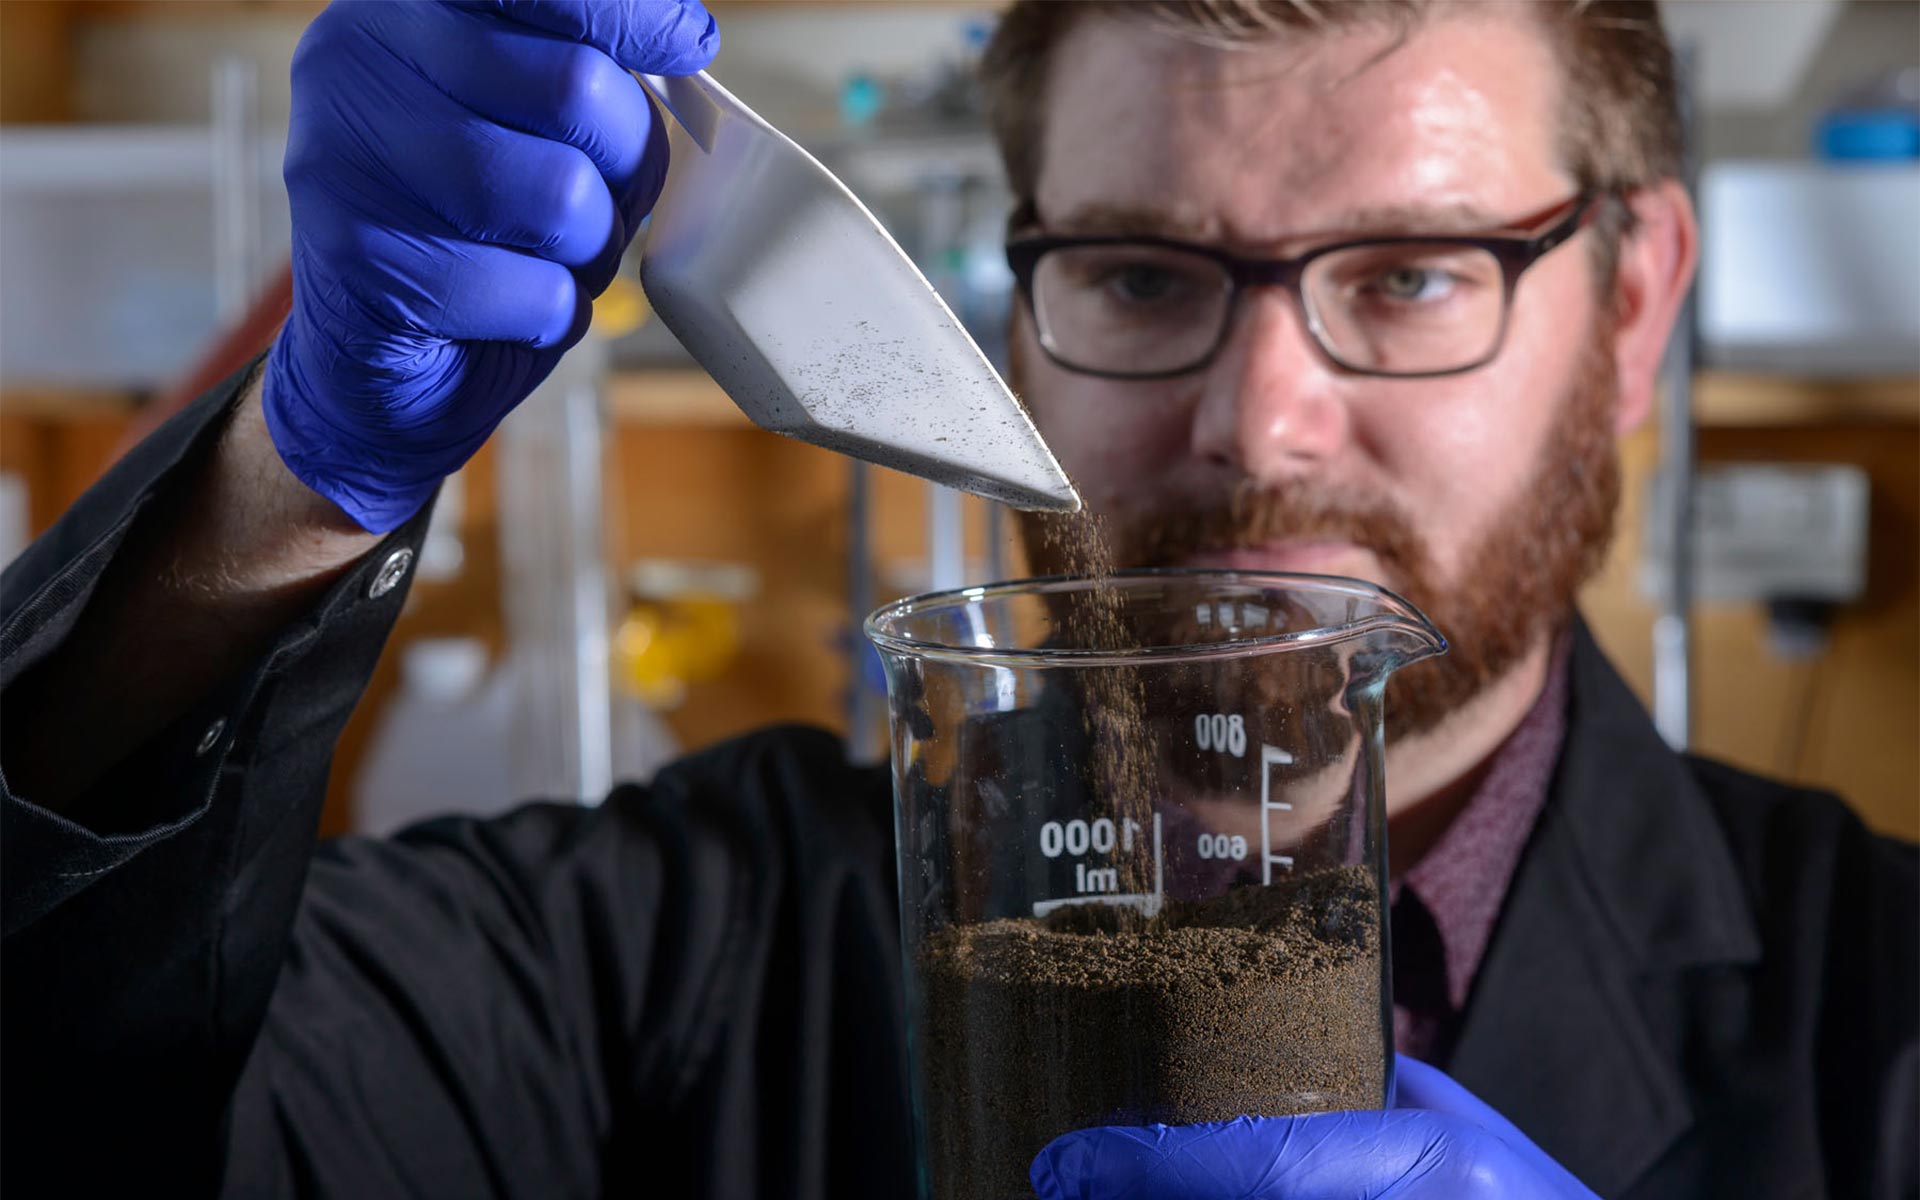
[(1253, 515)]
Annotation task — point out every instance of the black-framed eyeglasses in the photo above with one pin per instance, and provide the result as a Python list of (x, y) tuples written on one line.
[(1405, 307)]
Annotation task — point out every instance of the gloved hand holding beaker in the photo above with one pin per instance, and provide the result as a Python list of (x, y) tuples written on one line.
[(1442, 1142), (463, 181)]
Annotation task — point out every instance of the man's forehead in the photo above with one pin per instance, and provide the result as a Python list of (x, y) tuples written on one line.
[(1450, 127)]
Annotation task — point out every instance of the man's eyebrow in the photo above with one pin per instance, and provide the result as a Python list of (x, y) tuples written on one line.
[(1102, 220), (1389, 220)]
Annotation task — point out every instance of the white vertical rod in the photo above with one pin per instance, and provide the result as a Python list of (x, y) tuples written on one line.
[(593, 680), (236, 185), (1673, 628), (946, 538)]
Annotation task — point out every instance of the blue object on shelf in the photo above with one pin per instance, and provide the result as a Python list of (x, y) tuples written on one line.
[(1869, 135), (861, 99)]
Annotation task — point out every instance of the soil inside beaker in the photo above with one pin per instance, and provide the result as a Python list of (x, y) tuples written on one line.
[(1263, 1001)]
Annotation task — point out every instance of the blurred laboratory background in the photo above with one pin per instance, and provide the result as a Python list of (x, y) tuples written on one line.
[(631, 569)]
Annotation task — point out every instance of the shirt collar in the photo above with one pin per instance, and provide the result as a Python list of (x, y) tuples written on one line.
[(1462, 880)]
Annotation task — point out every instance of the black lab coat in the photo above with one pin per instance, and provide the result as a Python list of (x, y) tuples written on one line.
[(1703, 983)]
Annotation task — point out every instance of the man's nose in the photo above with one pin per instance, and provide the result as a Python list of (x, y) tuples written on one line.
[(1270, 405)]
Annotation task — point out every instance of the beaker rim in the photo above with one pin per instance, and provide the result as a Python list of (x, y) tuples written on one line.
[(1395, 614)]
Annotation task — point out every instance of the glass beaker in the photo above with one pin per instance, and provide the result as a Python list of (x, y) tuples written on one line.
[(1142, 850)]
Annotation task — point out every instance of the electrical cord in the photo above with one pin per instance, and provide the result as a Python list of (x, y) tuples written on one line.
[(1797, 631)]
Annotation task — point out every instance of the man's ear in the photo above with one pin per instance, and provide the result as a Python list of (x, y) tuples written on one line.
[(1653, 274)]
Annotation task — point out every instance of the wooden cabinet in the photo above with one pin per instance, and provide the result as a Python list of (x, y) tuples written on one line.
[(693, 480), (1847, 718)]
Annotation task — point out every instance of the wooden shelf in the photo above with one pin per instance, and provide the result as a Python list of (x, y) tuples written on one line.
[(1734, 399), (675, 396), (55, 402), (685, 397), (678, 396)]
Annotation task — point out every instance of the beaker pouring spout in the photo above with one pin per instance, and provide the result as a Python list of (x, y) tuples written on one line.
[(1397, 635)]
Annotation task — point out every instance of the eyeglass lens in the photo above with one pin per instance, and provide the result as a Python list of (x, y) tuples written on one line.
[(1394, 308)]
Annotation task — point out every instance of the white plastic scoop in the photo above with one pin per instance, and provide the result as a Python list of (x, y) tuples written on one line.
[(782, 285)]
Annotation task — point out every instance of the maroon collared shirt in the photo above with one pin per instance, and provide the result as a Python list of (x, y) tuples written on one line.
[(1445, 906)]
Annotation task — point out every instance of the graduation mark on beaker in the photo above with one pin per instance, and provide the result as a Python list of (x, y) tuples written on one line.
[(1270, 757), (1076, 837), (1098, 884), (1225, 732)]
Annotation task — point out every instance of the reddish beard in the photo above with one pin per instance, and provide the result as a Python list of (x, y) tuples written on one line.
[(1519, 581)]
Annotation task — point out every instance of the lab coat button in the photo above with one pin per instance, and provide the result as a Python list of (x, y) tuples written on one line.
[(390, 574)]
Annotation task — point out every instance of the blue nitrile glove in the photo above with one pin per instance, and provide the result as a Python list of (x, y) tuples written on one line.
[(463, 180), (1442, 1143)]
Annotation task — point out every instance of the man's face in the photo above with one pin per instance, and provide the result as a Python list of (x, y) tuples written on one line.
[(1482, 497)]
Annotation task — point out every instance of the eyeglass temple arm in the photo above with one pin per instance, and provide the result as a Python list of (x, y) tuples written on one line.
[(1587, 208)]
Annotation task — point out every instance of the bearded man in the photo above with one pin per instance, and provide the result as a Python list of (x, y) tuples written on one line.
[(1354, 289)]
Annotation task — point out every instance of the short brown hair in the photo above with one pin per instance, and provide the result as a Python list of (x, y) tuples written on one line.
[(1619, 124)]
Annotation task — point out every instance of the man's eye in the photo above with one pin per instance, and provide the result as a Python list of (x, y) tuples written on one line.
[(1141, 284), (1413, 283)]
